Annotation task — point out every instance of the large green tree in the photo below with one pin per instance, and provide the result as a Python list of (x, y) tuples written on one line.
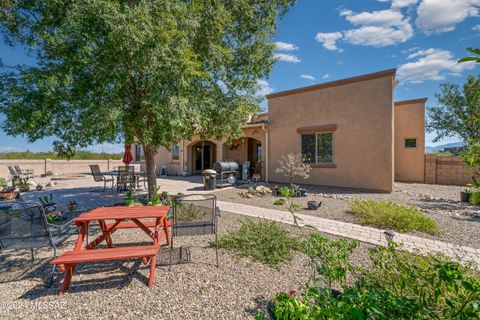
[(152, 70), (458, 111)]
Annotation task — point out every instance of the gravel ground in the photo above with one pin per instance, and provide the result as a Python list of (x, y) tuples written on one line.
[(117, 289), (459, 222)]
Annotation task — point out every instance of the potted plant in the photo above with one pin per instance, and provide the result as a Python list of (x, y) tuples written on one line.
[(3, 184), (24, 187), (465, 193), (72, 205)]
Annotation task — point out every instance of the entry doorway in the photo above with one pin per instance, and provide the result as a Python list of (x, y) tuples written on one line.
[(203, 154), (254, 151)]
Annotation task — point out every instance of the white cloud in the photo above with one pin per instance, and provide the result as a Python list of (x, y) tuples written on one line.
[(329, 40), (376, 28), (264, 88), (403, 3), (307, 77), (438, 16), (326, 76), (283, 46), (286, 57), (374, 18), (476, 28), (431, 64), (379, 36), (406, 51)]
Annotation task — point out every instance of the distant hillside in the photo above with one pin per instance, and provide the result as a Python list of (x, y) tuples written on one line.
[(443, 146)]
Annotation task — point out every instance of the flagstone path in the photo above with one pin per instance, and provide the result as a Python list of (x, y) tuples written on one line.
[(361, 233)]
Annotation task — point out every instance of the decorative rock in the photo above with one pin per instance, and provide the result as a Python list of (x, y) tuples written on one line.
[(314, 205)]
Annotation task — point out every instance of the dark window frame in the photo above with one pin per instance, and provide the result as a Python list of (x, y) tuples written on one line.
[(175, 152), (309, 146), (407, 143), (139, 154)]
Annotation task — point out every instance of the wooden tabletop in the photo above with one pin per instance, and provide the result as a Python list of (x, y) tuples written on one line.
[(121, 212)]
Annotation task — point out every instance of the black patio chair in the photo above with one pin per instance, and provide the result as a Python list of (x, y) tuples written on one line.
[(141, 178), (99, 177), (25, 173), (125, 177), (23, 225), (194, 215)]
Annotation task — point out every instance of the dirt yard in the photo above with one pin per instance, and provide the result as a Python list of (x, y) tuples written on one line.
[(118, 290)]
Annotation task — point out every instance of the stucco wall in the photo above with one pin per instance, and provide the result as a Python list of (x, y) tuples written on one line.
[(409, 118), (445, 170), (363, 148), (222, 152)]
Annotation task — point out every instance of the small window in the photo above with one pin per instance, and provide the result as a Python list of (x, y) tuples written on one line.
[(176, 152), (318, 147), (410, 143), (139, 155)]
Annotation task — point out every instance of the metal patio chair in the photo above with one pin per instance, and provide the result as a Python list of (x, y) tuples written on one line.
[(99, 177), (25, 173), (193, 215), (23, 225), (125, 177), (13, 173)]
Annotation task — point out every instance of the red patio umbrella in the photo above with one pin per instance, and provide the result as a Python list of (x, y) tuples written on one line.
[(127, 155)]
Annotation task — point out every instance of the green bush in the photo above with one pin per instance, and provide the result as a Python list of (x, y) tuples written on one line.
[(397, 285), (49, 173), (390, 215), (328, 259), (264, 241), (475, 198), (279, 202)]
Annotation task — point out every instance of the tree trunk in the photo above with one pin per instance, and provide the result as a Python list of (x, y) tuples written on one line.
[(149, 152)]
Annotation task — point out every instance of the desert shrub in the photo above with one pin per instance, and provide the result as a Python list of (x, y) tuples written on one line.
[(329, 259), (397, 285), (49, 173), (279, 202), (264, 241), (293, 165), (390, 215), (188, 212), (475, 198)]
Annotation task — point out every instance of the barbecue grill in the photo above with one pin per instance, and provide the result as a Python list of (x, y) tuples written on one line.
[(225, 170)]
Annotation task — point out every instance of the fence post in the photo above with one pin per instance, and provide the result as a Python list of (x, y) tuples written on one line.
[(108, 165)]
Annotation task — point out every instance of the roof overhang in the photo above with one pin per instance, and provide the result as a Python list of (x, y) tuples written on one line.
[(370, 76), (411, 101)]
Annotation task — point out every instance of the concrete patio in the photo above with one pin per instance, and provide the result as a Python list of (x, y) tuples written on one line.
[(88, 193)]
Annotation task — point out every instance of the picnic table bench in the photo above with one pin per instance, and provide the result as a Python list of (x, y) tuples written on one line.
[(124, 218)]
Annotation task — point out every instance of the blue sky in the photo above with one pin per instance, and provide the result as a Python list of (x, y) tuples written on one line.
[(320, 41)]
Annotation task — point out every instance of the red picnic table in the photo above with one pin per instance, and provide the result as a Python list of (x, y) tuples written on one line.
[(121, 218)]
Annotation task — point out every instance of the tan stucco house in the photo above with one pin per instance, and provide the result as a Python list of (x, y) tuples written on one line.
[(351, 131)]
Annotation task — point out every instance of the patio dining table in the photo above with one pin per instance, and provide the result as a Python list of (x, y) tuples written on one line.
[(155, 227), (136, 175)]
